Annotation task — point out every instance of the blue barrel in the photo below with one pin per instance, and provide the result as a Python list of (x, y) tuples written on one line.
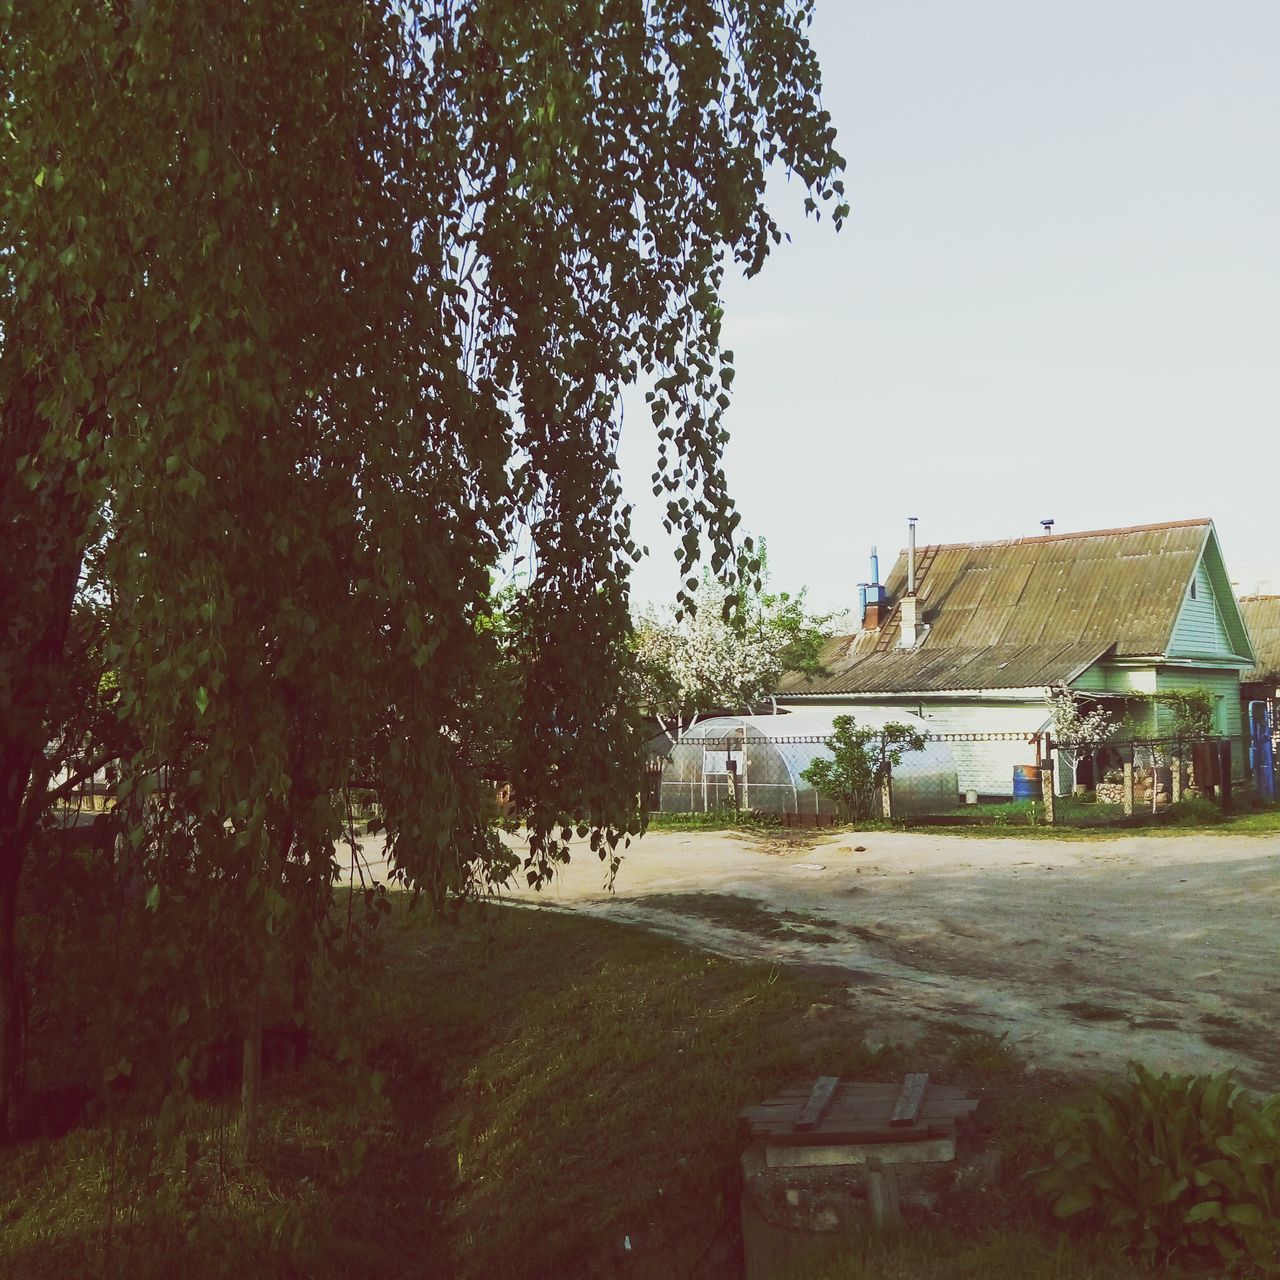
[(1026, 782)]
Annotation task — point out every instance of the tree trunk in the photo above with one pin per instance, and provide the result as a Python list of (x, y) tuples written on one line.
[(15, 836), (12, 997), (251, 1079)]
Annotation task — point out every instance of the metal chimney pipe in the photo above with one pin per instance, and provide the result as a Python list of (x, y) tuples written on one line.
[(875, 568), (911, 555)]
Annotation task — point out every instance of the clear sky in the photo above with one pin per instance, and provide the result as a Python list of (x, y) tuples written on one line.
[(1058, 293)]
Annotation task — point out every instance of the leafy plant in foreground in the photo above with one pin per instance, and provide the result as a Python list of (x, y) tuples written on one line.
[(1173, 1164)]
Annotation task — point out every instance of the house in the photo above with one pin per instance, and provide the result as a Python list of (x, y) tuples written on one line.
[(1262, 616), (1260, 685), (965, 638)]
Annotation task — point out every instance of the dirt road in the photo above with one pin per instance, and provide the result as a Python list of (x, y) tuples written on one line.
[(1086, 953)]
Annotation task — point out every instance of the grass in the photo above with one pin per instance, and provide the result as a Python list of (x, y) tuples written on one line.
[(713, 820), (755, 822), (521, 1095), (942, 1255), (1018, 819), (1259, 822)]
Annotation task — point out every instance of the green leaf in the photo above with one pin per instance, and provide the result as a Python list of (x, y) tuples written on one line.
[(1205, 1211), (1074, 1201), (153, 897), (202, 700), (1244, 1215)]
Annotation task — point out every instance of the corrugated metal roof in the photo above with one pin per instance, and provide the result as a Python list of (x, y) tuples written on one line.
[(1022, 613), (1262, 617)]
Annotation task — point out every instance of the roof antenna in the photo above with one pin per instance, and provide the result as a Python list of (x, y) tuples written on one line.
[(1047, 526)]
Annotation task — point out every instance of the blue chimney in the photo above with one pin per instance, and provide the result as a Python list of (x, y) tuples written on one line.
[(871, 599)]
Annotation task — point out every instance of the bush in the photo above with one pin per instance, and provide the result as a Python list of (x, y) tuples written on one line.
[(1170, 1165), (862, 759), (1195, 811)]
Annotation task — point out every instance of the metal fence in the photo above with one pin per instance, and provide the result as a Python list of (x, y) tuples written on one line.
[(967, 777)]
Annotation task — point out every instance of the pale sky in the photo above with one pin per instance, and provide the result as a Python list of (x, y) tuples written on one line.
[(1058, 293)]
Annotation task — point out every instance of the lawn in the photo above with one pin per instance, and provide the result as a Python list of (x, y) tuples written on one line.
[(523, 1094)]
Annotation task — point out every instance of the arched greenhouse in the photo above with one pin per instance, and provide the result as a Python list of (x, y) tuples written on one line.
[(755, 763)]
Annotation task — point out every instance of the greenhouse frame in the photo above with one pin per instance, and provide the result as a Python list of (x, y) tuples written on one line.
[(756, 763)]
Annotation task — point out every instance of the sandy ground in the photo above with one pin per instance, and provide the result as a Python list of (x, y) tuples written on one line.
[(1086, 953)]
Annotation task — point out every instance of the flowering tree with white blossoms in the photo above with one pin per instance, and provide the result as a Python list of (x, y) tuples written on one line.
[(1072, 723), (730, 652)]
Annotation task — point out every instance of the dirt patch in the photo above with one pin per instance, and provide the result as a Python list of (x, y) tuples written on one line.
[(1159, 948), (743, 915), (785, 840), (1087, 1012), (1218, 1020)]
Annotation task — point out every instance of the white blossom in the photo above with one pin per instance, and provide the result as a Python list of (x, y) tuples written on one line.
[(1071, 723), (704, 662)]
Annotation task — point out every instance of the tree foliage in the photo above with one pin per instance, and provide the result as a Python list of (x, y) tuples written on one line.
[(862, 760), (1185, 715), (1169, 715), (309, 315), (728, 649)]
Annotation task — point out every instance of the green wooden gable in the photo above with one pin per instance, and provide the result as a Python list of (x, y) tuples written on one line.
[(1209, 624)]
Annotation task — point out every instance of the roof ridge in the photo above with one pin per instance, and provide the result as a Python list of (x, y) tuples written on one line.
[(1198, 522)]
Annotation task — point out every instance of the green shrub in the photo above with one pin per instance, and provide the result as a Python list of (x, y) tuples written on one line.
[(862, 759), (1195, 811), (1169, 1165)]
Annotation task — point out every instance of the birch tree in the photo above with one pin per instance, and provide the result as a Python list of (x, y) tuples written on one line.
[(307, 315)]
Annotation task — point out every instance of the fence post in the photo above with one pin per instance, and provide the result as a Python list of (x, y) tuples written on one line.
[(1175, 785), (1128, 788), (1224, 774), (1046, 790)]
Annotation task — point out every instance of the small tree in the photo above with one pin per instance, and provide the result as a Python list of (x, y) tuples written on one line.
[(1072, 723), (862, 759), (1075, 724)]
